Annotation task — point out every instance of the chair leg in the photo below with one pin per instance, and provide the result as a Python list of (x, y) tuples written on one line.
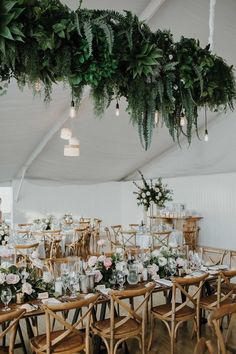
[(152, 325), (172, 337)]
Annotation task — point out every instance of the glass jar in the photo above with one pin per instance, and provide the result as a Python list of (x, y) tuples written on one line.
[(133, 274)]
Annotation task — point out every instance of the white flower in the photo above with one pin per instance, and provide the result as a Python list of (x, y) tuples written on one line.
[(6, 238), (27, 288), (47, 277), (159, 194), (170, 56), (119, 251), (175, 87), (98, 276), (143, 195), (37, 263), (181, 262), (92, 261), (162, 261), (148, 193), (2, 278), (25, 274), (12, 278), (2, 233), (157, 189), (153, 269), (120, 266), (156, 253), (101, 258)]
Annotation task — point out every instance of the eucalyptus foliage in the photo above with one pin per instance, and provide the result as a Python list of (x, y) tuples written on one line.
[(117, 56)]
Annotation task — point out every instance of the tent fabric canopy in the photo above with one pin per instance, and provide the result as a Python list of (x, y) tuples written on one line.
[(110, 147)]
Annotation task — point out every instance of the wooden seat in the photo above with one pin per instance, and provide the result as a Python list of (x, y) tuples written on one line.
[(70, 339), (224, 292), (212, 255), (215, 320), (116, 330), (204, 346), (175, 313), (11, 320)]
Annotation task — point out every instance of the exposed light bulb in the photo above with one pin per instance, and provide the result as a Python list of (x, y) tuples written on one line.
[(117, 109), (37, 86), (71, 150), (72, 110), (182, 120), (206, 138), (66, 133), (156, 117)]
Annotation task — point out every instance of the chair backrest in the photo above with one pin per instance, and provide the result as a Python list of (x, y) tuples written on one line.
[(128, 238), (191, 298), (11, 318), (117, 232), (204, 346), (54, 265), (23, 253), (81, 246), (117, 299), (212, 255), (54, 313), (214, 320)]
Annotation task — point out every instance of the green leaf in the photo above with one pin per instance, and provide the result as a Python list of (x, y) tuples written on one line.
[(5, 32)]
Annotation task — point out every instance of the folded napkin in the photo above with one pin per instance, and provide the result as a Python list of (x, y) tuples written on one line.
[(29, 307), (165, 282), (51, 301)]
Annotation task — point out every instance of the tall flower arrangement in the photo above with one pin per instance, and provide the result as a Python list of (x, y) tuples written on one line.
[(4, 233), (155, 192)]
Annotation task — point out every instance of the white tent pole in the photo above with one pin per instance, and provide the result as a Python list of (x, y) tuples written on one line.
[(150, 10), (39, 148)]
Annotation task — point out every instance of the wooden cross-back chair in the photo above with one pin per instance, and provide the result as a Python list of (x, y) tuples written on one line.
[(211, 255), (52, 240), (232, 259), (160, 238), (215, 321), (204, 346), (9, 322), (223, 294), (116, 229), (175, 313), (81, 245), (118, 329), (112, 241), (70, 339), (129, 238), (23, 254), (190, 235), (54, 265), (95, 234)]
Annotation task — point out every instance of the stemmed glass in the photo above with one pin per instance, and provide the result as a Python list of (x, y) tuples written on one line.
[(65, 283), (120, 276), (6, 296)]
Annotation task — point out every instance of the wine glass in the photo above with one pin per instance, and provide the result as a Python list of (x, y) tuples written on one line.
[(120, 279), (65, 283), (6, 296)]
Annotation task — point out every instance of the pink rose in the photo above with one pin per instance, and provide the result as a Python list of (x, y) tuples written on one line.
[(107, 262), (98, 276), (101, 242), (12, 278)]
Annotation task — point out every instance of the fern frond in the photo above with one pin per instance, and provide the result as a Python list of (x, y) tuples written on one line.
[(109, 34), (87, 27)]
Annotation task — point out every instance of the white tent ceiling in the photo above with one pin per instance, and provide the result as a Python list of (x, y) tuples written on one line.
[(110, 147)]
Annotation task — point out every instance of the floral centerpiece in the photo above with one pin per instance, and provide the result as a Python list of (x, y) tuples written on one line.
[(4, 233), (24, 280), (165, 261), (155, 192), (103, 266)]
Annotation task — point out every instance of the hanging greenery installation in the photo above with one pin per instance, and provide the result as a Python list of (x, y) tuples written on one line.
[(117, 56)]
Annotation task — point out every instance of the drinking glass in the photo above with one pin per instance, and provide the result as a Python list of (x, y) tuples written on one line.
[(120, 279), (6, 296), (65, 283)]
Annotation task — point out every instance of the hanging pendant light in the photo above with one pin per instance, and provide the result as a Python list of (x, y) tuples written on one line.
[(73, 148), (66, 133), (206, 137), (156, 117), (72, 109), (117, 109)]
